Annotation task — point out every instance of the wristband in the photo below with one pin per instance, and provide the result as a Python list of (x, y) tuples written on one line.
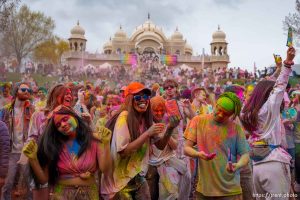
[(289, 63), (288, 66)]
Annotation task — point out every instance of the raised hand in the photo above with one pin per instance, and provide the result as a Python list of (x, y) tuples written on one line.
[(291, 52), (30, 149), (173, 122), (103, 134), (156, 129)]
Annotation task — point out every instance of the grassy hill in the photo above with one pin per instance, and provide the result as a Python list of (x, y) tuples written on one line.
[(41, 80)]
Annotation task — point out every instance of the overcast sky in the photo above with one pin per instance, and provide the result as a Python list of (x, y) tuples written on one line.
[(253, 27)]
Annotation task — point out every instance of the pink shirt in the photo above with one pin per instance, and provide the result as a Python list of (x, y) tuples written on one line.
[(69, 166)]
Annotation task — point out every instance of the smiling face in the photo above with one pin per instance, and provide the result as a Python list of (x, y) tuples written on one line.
[(141, 102), (67, 98), (111, 102), (221, 115), (41, 94), (200, 95), (66, 124)]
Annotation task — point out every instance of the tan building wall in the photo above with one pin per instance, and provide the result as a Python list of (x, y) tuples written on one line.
[(147, 37)]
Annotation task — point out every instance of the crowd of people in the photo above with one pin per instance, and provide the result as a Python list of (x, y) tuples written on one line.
[(171, 135)]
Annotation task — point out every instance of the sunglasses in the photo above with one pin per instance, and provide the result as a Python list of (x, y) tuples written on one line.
[(170, 86), (139, 97), (26, 89)]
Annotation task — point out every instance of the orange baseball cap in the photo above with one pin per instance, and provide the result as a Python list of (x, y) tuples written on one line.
[(136, 87)]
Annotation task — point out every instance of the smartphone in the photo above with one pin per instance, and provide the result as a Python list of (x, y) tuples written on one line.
[(172, 108), (230, 160), (211, 156), (289, 42)]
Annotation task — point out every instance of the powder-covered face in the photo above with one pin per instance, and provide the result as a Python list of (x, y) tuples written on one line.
[(141, 102), (171, 90), (41, 94), (68, 98), (66, 124), (23, 92), (158, 112), (111, 103), (240, 95), (200, 95), (6, 91), (221, 115), (296, 99), (249, 92)]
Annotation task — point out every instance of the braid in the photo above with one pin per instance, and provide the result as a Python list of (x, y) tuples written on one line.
[(237, 103)]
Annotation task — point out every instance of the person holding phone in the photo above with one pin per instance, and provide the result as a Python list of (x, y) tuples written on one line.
[(132, 128), (261, 118)]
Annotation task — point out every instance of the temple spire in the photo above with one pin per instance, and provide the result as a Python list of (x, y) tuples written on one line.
[(148, 16)]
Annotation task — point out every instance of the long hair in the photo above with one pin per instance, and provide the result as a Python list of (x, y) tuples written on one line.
[(132, 119), (260, 95), (56, 92), (52, 141)]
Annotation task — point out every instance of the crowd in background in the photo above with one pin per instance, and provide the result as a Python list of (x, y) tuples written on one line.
[(157, 133)]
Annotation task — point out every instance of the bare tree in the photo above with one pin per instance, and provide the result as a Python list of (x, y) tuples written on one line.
[(26, 29), (293, 21), (6, 8)]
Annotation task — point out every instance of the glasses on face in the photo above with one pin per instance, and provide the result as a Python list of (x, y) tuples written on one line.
[(25, 89), (169, 86), (139, 97)]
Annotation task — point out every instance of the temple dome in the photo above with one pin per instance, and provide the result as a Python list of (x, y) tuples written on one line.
[(121, 34), (219, 36), (177, 35), (77, 32)]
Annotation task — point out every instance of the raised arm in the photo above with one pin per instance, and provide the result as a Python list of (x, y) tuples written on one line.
[(173, 123), (275, 99)]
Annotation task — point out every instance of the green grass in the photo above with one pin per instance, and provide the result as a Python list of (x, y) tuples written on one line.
[(41, 80)]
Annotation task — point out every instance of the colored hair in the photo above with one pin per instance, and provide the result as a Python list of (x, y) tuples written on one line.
[(157, 101), (259, 96), (52, 142), (170, 81), (236, 101)]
